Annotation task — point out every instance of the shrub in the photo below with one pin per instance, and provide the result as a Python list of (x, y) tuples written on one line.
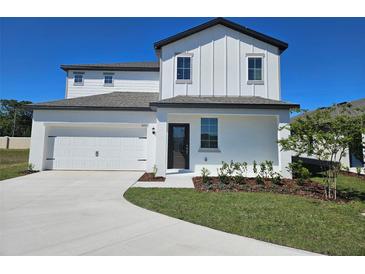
[(261, 173), (254, 167), (226, 172), (299, 172), (205, 175), (358, 170), (154, 170), (263, 170), (240, 172), (345, 168), (222, 172), (30, 167), (275, 177)]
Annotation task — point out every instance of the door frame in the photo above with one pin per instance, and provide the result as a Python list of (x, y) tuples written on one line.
[(169, 144)]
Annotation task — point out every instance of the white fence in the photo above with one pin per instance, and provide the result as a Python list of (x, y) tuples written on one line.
[(7, 142)]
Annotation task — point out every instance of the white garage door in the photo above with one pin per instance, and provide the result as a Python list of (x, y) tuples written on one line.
[(97, 153)]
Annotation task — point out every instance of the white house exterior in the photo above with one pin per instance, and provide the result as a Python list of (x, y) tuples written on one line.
[(213, 96)]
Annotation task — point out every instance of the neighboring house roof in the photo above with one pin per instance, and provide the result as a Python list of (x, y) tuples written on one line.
[(353, 109), (126, 66), (223, 102), (107, 101), (229, 24)]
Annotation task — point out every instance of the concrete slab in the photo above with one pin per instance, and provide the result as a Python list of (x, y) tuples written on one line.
[(84, 213), (172, 181)]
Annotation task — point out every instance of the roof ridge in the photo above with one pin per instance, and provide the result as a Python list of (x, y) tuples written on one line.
[(227, 23)]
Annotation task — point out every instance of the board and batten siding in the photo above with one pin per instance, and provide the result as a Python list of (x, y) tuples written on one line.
[(219, 65), (132, 81)]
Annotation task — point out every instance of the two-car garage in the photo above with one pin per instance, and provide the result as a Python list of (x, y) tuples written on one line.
[(111, 131), (96, 148)]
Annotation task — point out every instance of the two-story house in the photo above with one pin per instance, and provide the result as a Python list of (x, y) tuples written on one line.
[(213, 96)]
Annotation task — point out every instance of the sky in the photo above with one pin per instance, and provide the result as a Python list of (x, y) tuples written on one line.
[(324, 64)]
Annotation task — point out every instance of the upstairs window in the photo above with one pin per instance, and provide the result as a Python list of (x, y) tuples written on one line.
[(108, 80), (78, 79), (183, 68), (209, 133), (255, 69)]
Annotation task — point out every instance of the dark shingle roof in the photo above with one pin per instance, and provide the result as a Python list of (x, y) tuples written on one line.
[(229, 24), (353, 109), (146, 100), (223, 102), (126, 66), (107, 101)]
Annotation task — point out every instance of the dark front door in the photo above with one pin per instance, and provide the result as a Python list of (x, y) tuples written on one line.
[(178, 149)]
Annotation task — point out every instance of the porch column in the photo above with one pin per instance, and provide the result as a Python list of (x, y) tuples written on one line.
[(161, 143), (284, 156)]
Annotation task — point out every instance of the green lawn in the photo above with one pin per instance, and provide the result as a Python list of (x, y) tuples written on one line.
[(13, 162), (352, 186), (309, 224)]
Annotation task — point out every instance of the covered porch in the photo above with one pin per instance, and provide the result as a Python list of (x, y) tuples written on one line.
[(242, 135)]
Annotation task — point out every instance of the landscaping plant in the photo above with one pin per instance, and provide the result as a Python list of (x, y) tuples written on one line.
[(205, 176), (154, 171), (226, 172), (358, 171), (325, 134), (298, 171), (275, 177), (240, 172)]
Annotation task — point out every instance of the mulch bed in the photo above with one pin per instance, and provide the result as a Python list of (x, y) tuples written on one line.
[(148, 177), (26, 172), (352, 174), (286, 186)]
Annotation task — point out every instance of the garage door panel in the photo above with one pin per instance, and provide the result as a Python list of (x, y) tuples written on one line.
[(97, 153)]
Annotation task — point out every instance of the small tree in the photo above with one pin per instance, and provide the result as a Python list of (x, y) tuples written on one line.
[(325, 134)]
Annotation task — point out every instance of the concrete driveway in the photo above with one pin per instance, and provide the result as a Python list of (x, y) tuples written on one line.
[(84, 213)]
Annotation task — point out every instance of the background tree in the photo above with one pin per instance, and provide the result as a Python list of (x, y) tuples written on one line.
[(326, 134), (15, 119)]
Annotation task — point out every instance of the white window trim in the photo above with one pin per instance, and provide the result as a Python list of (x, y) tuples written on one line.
[(206, 149), (184, 81), (78, 83), (256, 55)]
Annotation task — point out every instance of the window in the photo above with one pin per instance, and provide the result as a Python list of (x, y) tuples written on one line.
[(183, 68), (255, 69), (356, 152), (108, 79), (209, 133), (78, 79)]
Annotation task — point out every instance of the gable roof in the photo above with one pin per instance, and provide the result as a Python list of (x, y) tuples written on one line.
[(223, 102), (124, 66), (107, 101), (229, 24)]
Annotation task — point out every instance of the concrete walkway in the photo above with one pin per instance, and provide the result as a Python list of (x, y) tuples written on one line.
[(84, 213), (172, 181)]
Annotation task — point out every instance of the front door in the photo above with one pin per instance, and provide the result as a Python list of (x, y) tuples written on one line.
[(178, 149)]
